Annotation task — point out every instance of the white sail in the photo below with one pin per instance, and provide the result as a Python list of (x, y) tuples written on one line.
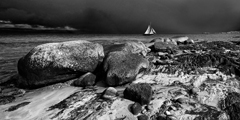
[(154, 32), (150, 30)]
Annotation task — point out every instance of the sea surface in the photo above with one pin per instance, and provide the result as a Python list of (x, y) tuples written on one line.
[(14, 46)]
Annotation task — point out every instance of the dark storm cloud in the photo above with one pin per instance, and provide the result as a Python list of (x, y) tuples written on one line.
[(126, 16)]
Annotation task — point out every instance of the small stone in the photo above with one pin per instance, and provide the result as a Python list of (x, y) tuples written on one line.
[(144, 111), (110, 93), (168, 113), (136, 108), (149, 108), (182, 100), (194, 90), (87, 79), (168, 103), (173, 108), (143, 117)]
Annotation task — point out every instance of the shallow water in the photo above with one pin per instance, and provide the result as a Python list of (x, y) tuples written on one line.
[(14, 46)]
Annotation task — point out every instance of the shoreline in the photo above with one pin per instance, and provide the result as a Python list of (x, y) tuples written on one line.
[(167, 87)]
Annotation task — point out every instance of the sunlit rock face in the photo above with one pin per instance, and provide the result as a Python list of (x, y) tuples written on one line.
[(128, 47), (54, 62)]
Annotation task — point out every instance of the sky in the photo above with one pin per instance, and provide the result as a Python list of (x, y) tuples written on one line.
[(122, 16)]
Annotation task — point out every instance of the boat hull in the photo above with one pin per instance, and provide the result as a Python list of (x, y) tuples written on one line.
[(147, 34)]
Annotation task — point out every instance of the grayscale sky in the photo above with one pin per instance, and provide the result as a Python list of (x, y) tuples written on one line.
[(124, 16)]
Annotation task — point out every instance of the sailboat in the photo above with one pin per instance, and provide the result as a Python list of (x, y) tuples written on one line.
[(150, 30)]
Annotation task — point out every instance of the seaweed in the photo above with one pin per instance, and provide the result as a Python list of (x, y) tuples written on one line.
[(15, 107)]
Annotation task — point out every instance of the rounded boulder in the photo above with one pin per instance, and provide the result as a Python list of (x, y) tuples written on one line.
[(85, 80), (58, 62), (123, 67)]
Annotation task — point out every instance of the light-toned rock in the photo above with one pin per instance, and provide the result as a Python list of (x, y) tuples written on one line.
[(57, 62), (128, 47), (180, 38), (110, 93)]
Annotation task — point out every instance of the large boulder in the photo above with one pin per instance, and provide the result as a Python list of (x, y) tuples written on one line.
[(140, 92), (123, 62), (122, 67), (57, 62)]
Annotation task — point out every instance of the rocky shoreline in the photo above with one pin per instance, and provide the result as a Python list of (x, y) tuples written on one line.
[(165, 79)]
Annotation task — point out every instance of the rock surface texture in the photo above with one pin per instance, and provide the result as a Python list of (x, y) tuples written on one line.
[(122, 63), (55, 62), (122, 68), (85, 80), (140, 92), (199, 81)]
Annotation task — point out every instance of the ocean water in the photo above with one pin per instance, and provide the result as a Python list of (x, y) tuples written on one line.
[(14, 46)]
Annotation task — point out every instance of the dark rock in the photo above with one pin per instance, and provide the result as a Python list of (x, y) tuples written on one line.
[(143, 117), (122, 67), (110, 93), (6, 99), (231, 105), (87, 79), (140, 92), (15, 107), (225, 62), (211, 46), (57, 62), (136, 108), (161, 118)]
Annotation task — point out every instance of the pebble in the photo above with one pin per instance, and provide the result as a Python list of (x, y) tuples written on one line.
[(182, 100), (168, 113), (110, 93), (149, 108), (194, 90), (136, 108), (168, 103), (173, 108), (143, 117)]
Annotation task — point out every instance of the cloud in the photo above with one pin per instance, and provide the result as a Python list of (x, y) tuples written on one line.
[(9, 24), (5, 22), (126, 16)]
